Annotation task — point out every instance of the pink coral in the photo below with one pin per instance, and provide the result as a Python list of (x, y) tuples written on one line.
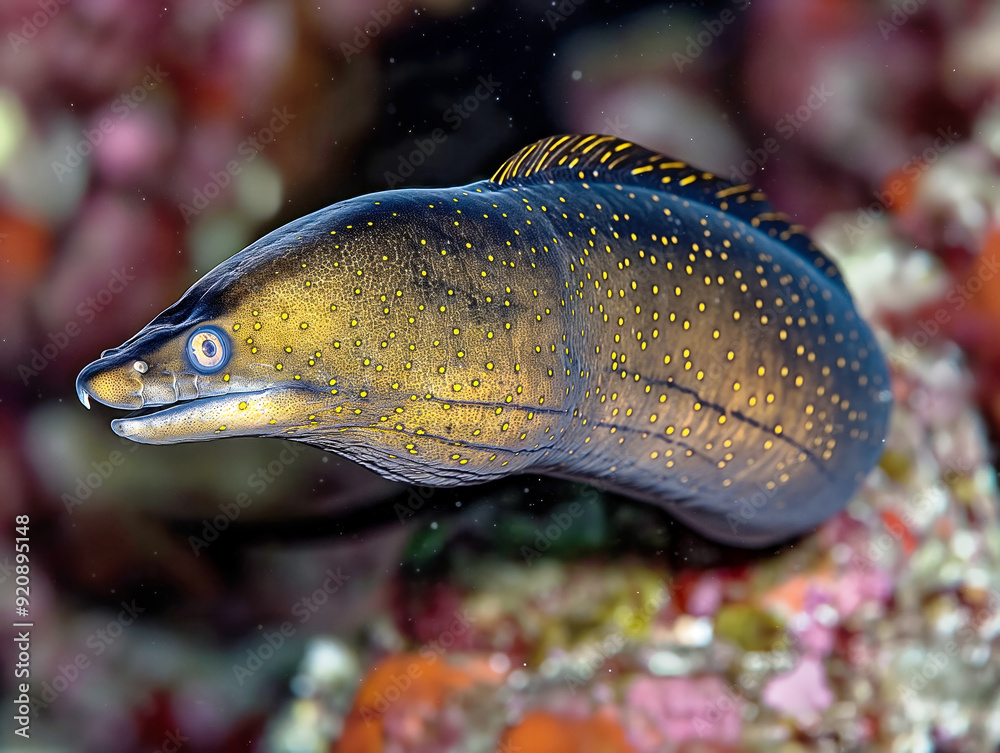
[(802, 693), (676, 709)]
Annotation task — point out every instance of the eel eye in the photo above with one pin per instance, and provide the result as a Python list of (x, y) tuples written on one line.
[(208, 350)]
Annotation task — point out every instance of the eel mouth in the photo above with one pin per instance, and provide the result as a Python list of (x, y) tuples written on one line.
[(270, 412), (235, 414)]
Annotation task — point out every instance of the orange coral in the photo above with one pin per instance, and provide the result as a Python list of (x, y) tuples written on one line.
[(31, 247), (789, 596), (899, 188), (899, 529), (406, 684), (544, 732), (985, 291)]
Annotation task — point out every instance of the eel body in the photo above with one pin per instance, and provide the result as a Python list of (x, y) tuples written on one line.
[(595, 311)]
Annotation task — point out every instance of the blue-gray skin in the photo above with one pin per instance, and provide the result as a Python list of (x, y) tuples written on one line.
[(595, 311)]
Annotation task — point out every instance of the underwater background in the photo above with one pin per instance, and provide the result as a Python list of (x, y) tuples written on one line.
[(259, 595)]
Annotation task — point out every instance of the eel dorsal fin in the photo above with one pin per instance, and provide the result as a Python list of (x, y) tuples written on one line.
[(608, 159)]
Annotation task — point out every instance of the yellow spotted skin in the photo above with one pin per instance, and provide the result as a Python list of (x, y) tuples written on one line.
[(594, 311)]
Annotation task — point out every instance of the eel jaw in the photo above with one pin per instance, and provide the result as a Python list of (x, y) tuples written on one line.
[(114, 384), (169, 414), (269, 412)]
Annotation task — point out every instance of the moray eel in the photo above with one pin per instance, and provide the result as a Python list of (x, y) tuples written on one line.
[(594, 311)]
